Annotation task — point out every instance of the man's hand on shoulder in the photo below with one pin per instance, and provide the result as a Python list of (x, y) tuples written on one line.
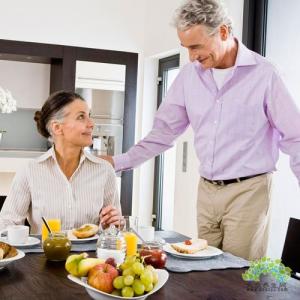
[(108, 158)]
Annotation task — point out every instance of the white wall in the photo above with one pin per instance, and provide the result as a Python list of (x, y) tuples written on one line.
[(114, 24)]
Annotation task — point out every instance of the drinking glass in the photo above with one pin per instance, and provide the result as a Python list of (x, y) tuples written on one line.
[(130, 225), (55, 226)]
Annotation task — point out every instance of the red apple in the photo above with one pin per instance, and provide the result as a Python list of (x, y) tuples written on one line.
[(102, 276)]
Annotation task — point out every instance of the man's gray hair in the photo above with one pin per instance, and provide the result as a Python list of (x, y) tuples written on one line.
[(211, 13)]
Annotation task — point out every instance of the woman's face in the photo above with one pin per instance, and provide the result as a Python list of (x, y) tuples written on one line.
[(77, 126)]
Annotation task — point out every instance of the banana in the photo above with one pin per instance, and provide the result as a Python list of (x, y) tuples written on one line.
[(72, 263), (86, 264)]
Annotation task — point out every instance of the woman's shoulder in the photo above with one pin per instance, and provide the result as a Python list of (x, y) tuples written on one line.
[(98, 160)]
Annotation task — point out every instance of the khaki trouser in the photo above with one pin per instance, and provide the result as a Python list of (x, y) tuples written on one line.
[(235, 217)]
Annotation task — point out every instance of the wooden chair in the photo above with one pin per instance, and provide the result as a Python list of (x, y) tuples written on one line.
[(291, 248)]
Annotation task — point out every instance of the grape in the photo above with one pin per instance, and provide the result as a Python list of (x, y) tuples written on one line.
[(118, 282), (138, 287), (138, 268), (147, 277), (128, 271), (127, 291), (149, 288), (128, 280), (151, 268), (116, 293), (111, 261), (130, 260)]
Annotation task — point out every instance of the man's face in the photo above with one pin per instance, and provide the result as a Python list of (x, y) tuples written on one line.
[(208, 49)]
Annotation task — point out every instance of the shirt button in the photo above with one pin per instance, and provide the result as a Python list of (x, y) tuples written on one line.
[(218, 101), (215, 122)]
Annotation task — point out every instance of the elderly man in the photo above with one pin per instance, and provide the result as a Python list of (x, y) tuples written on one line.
[(241, 114)]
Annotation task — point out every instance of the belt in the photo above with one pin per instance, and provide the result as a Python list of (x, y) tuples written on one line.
[(229, 181)]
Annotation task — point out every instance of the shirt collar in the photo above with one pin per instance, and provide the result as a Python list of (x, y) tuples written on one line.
[(84, 155), (244, 57)]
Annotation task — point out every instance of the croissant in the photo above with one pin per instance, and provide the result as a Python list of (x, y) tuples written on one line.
[(7, 251)]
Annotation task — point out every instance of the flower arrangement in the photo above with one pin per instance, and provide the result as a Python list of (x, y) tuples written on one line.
[(7, 103)]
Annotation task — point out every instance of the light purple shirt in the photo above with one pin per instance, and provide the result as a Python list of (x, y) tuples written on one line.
[(238, 129)]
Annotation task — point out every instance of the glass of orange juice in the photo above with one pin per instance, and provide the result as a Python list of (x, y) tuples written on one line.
[(55, 226), (130, 225)]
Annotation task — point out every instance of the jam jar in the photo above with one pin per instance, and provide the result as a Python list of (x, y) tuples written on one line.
[(57, 246), (153, 254)]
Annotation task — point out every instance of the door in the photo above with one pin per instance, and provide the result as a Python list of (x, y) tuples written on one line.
[(164, 170)]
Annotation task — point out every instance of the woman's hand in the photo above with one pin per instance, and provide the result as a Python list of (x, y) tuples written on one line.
[(110, 215)]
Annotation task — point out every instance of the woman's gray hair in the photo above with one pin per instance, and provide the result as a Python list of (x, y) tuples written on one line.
[(58, 117), (211, 13)]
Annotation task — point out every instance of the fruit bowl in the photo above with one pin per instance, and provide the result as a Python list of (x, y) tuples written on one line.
[(163, 276)]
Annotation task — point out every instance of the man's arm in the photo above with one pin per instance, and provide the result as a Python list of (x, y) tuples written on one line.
[(170, 121), (284, 115)]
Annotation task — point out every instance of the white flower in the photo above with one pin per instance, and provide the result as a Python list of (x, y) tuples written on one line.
[(7, 103)]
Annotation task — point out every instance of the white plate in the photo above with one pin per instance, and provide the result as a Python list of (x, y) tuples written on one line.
[(6, 261), (76, 240), (163, 276), (32, 241), (209, 252)]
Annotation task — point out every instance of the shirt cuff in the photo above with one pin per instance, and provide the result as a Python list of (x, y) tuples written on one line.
[(122, 162)]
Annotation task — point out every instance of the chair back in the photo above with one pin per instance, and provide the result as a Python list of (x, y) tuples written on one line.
[(291, 248)]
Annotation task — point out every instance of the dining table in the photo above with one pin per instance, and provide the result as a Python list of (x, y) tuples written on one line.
[(33, 277)]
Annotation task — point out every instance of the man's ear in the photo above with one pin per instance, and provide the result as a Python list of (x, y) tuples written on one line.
[(224, 32), (56, 128)]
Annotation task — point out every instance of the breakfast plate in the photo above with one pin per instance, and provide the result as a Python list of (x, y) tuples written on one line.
[(32, 241), (4, 262), (209, 252), (76, 240), (163, 276)]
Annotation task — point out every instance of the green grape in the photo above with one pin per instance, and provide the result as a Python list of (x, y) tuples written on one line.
[(130, 260), (116, 293), (138, 268), (146, 277), (118, 282), (151, 268), (155, 277), (128, 271), (128, 280), (138, 287), (127, 291), (154, 273), (149, 288)]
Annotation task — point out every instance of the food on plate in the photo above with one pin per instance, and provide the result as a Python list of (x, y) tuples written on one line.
[(7, 251), (80, 264), (101, 277), (85, 231), (190, 247)]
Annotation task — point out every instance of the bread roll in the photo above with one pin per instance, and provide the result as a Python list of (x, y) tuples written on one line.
[(85, 231), (7, 251)]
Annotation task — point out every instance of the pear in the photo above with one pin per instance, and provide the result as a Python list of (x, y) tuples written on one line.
[(72, 263), (86, 264)]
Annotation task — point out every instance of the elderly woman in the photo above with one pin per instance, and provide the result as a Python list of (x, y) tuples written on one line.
[(66, 182)]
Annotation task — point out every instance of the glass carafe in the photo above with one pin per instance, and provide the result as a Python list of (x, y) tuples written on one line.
[(111, 243)]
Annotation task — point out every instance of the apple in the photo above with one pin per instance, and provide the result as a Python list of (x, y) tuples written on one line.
[(101, 277)]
